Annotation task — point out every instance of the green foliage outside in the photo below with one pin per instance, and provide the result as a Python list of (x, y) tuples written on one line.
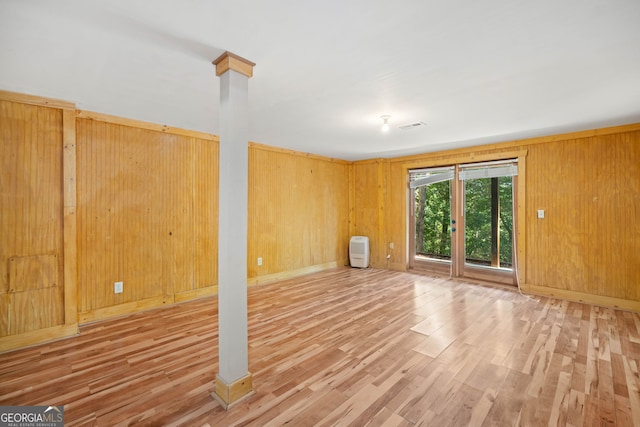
[(433, 205)]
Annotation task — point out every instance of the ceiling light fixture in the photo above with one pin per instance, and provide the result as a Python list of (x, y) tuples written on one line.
[(385, 122)]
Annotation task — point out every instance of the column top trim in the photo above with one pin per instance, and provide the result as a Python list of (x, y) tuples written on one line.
[(230, 61)]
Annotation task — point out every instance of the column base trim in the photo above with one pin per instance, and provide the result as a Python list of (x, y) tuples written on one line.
[(231, 394)]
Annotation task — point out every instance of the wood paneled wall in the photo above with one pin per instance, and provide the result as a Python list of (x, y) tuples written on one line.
[(298, 213), (370, 189), (37, 218), (31, 214), (586, 248), (144, 212), (147, 210), (589, 240), (90, 199)]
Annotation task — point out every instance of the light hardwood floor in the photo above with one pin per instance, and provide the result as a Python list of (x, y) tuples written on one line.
[(349, 347)]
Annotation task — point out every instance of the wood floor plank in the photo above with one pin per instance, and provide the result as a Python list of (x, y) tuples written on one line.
[(352, 409), (349, 347), (575, 408), (509, 403), (386, 418)]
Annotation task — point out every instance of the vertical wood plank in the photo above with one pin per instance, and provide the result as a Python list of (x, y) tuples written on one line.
[(379, 256), (69, 179), (352, 201), (367, 206)]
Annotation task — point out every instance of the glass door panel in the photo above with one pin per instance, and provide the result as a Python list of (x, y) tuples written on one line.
[(488, 228), (461, 220), (433, 219)]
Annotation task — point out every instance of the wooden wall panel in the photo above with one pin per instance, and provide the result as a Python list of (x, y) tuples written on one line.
[(28, 273), (588, 183), (205, 160), (31, 218), (369, 207), (33, 310), (589, 239), (147, 214), (298, 212), (396, 203)]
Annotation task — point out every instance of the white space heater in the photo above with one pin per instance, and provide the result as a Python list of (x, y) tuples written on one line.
[(359, 252)]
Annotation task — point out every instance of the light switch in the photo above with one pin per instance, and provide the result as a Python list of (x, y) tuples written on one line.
[(540, 213)]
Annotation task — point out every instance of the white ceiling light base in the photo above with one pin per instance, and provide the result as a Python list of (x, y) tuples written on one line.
[(385, 122)]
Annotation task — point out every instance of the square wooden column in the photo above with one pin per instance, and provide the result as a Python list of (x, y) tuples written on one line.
[(233, 381)]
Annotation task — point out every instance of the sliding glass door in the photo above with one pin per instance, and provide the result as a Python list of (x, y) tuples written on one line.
[(462, 221)]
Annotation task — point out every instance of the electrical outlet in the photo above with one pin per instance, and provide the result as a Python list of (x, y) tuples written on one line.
[(540, 213), (118, 287), (391, 245), (260, 261)]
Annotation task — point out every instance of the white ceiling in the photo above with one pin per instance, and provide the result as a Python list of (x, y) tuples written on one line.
[(474, 71)]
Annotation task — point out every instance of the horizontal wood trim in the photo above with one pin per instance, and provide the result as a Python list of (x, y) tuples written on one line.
[(264, 147), (39, 336), (521, 142), (371, 161), (270, 278), (36, 100), (599, 300), (124, 309), (99, 117), (195, 294)]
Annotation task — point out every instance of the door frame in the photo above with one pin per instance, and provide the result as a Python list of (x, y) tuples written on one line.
[(458, 269)]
